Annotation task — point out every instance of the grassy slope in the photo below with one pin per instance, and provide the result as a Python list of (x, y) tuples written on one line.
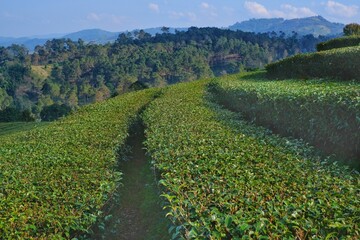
[(15, 127)]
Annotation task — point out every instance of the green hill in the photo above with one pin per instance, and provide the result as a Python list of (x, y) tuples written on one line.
[(221, 176)]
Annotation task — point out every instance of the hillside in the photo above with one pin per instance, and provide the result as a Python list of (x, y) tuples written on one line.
[(316, 26), (222, 177), (224, 150), (76, 73)]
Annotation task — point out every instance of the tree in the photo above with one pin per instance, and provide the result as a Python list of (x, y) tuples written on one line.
[(55, 111), (352, 29), (15, 115), (136, 86), (165, 29), (18, 52), (5, 99), (102, 93), (124, 38), (142, 35)]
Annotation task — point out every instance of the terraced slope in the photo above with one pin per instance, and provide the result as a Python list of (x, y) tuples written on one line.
[(227, 179), (325, 113), (55, 180)]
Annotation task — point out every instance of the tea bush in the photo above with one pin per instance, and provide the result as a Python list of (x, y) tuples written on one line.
[(324, 113), (350, 41), (341, 63), (55, 180), (224, 178)]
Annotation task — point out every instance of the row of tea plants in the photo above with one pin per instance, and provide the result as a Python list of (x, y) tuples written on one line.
[(324, 113), (341, 63), (224, 178), (348, 41), (55, 180)]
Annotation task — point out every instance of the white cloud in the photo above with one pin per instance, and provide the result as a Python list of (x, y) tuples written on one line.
[(104, 17), (187, 15), (94, 17), (340, 9), (154, 7), (286, 11), (289, 11), (209, 9), (205, 5), (257, 9)]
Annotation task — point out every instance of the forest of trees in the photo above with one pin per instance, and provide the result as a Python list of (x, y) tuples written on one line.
[(67, 73)]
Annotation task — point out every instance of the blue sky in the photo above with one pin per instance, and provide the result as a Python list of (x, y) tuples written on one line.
[(41, 17)]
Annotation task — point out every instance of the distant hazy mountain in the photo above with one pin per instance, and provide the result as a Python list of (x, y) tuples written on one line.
[(316, 25), (101, 36), (154, 31), (89, 35), (93, 35), (30, 43), (303, 26)]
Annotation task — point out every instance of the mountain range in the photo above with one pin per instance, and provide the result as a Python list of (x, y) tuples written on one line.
[(316, 26)]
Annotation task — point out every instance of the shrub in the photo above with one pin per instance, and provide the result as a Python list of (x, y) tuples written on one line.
[(324, 113), (339, 43), (342, 64), (16, 115), (56, 179), (227, 179), (55, 111)]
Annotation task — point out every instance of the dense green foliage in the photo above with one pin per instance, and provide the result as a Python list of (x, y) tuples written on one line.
[(337, 63), (226, 179), (324, 113), (14, 115), (339, 43), (75, 73), (352, 29), (55, 180), (14, 127), (55, 111)]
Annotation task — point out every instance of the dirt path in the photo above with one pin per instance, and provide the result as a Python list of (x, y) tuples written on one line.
[(137, 213)]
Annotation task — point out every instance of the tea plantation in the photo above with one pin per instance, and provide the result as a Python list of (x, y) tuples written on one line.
[(224, 178), (325, 113), (221, 176), (55, 180)]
